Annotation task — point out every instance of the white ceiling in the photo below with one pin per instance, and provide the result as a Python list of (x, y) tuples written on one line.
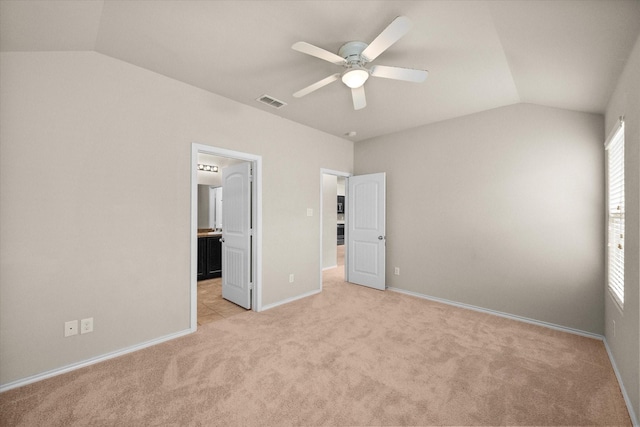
[(480, 54)]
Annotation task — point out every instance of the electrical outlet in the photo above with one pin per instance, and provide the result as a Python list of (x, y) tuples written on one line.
[(70, 328), (309, 212), (396, 271), (291, 278), (86, 325)]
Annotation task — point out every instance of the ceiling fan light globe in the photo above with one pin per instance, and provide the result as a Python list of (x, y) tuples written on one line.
[(355, 77)]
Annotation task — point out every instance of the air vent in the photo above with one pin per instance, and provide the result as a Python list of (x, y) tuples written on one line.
[(271, 101)]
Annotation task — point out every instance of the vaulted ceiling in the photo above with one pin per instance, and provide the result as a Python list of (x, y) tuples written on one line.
[(479, 54)]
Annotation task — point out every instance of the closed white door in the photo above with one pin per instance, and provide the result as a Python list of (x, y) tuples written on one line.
[(236, 234), (366, 230)]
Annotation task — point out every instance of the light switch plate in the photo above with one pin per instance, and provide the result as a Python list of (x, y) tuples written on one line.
[(309, 212)]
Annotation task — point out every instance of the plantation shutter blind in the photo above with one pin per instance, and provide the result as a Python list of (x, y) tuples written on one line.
[(615, 212)]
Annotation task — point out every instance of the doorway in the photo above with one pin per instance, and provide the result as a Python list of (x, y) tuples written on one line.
[(214, 156), (364, 227), (212, 304), (332, 225)]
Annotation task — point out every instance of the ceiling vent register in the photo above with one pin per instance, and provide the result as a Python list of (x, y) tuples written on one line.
[(271, 101)]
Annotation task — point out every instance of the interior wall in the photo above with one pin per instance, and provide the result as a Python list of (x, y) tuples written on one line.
[(341, 186), (625, 342), (329, 221), (211, 179), (87, 229), (502, 210)]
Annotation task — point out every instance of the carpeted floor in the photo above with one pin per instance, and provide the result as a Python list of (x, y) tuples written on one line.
[(348, 356)]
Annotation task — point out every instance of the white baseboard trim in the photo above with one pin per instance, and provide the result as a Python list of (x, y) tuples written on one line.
[(92, 361), (330, 267), (500, 313), (288, 300), (627, 400)]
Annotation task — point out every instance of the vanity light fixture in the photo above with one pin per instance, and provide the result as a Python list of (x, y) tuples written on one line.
[(207, 168)]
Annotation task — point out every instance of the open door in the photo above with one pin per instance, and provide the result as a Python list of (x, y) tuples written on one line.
[(366, 230), (236, 234)]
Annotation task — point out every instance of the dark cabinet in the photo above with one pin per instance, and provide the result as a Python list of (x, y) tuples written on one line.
[(209, 257), (202, 253), (214, 257)]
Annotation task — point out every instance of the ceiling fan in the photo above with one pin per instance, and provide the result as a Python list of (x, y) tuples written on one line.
[(354, 55)]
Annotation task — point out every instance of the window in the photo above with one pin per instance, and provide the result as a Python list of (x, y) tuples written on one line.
[(615, 213)]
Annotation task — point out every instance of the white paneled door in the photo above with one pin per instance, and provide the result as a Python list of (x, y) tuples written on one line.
[(236, 234), (366, 230)]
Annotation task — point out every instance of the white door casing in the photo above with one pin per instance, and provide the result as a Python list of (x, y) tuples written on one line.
[(236, 234), (365, 234)]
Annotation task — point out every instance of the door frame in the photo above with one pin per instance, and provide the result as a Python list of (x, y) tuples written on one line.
[(339, 174), (256, 208)]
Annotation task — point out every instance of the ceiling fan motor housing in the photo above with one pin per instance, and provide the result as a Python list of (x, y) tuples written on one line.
[(355, 74), (352, 53)]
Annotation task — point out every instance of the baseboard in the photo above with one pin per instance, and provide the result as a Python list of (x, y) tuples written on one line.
[(501, 314), (288, 300), (330, 267), (92, 361), (627, 400)]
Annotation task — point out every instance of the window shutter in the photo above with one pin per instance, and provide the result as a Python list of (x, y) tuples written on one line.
[(615, 213)]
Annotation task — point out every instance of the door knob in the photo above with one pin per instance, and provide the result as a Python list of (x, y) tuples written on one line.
[(221, 240), (380, 237)]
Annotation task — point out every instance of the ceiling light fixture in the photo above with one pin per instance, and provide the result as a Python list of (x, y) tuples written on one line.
[(355, 77), (207, 168)]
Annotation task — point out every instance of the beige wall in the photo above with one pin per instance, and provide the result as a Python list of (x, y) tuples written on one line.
[(502, 209), (625, 344), (88, 230)]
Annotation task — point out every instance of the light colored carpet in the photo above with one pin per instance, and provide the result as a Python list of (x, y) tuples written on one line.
[(348, 356)]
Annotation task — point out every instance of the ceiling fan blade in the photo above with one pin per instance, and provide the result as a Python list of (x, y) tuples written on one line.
[(394, 32), (318, 52), (317, 85), (397, 73), (359, 99)]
